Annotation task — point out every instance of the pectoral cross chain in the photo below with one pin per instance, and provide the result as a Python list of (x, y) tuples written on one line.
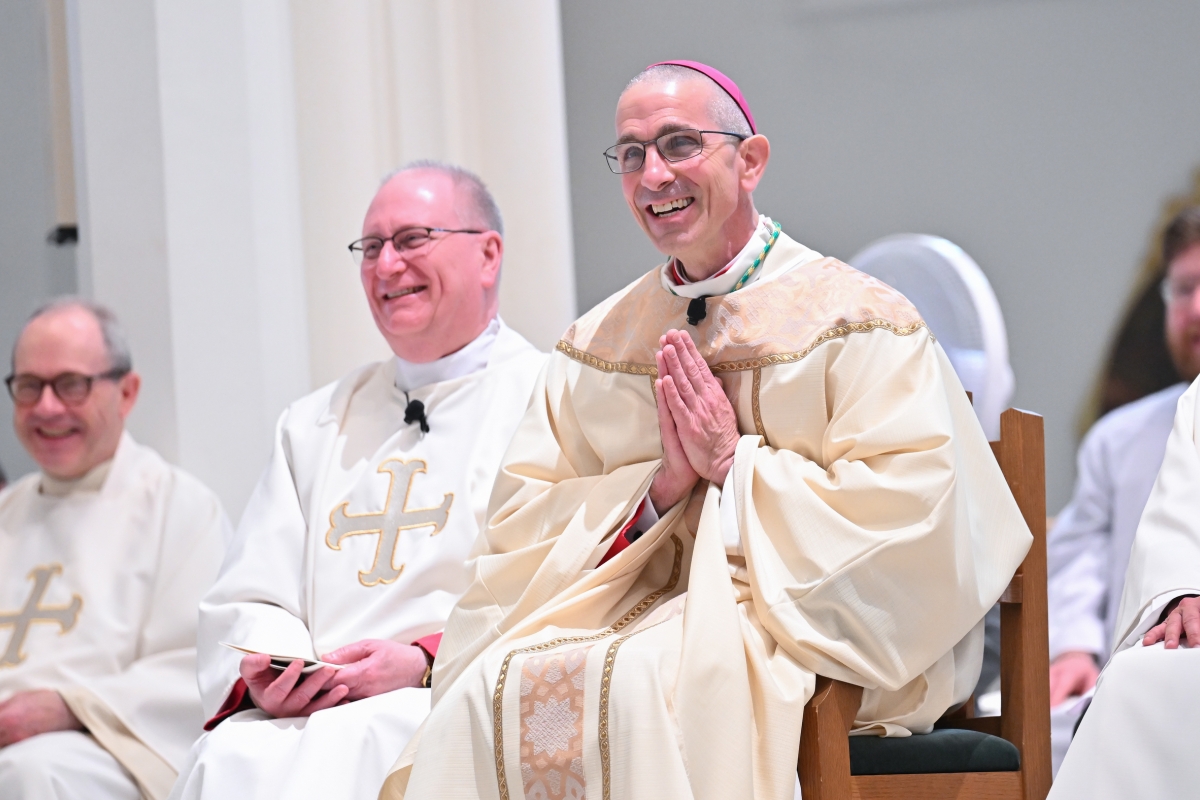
[(21, 621)]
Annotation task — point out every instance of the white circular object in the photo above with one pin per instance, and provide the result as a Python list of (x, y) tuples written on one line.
[(957, 303)]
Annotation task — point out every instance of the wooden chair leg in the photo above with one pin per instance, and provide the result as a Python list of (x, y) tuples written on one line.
[(824, 744)]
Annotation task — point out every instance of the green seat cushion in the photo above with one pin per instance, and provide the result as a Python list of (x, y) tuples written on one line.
[(942, 750)]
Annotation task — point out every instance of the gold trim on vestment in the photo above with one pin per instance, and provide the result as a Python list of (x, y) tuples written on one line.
[(758, 423), (630, 616), (610, 660), (751, 363), (604, 366)]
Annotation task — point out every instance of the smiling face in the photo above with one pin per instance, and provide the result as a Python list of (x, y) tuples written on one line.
[(699, 210), (431, 301), (68, 441), (1183, 314)]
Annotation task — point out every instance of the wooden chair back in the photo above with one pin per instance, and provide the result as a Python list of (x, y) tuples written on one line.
[(824, 762)]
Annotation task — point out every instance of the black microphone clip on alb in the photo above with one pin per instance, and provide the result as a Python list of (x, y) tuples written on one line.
[(415, 412)]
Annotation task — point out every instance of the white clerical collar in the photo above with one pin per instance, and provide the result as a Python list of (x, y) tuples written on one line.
[(92, 481), (470, 358), (724, 280)]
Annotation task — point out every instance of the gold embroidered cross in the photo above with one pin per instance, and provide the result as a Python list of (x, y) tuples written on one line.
[(388, 523), (34, 611)]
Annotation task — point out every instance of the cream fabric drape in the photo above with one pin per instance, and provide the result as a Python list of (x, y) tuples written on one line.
[(876, 526)]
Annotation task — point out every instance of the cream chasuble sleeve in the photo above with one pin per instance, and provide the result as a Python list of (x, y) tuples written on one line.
[(876, 528)]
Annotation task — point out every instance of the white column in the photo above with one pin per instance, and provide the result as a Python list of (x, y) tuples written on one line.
[(189, 218), (480, 84)]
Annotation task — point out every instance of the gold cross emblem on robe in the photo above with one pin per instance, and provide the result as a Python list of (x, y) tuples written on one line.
[(395, 517), (21, 621)]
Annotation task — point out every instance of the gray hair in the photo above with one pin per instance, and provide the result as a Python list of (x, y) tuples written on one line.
[(723, 109), (481, 199), (115, 344)]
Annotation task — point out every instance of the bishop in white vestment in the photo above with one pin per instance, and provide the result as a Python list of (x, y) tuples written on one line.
[(750, 466), (364, 524), (100, 577)]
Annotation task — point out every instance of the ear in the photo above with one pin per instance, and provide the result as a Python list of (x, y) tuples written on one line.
[(493, 255), (129, 387), (754, 153)]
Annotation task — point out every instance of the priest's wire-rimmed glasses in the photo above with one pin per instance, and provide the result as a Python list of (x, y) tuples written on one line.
[(370, 248), (71, 388), (673, 146)]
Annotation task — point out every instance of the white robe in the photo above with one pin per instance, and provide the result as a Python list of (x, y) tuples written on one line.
[(1087, 550), (1139, 735), (116, 563), (309, 570)]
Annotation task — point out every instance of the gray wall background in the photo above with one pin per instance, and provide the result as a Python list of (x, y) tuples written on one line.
[(30, 268), (1040, 135)]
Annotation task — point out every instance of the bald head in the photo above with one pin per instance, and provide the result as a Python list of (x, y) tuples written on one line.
[(474, 202), (722, 109)]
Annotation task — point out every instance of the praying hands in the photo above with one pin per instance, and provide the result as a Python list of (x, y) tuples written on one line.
[(697, 422)]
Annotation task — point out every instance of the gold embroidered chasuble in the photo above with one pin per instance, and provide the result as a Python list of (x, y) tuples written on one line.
[(863, 532)]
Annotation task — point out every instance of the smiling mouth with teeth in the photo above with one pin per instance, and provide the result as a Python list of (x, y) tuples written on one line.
[(664, 209), (403, 292)]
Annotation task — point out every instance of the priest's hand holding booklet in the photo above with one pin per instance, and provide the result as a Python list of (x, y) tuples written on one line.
[(354, 672)]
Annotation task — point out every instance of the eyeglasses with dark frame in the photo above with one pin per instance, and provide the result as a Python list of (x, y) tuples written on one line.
[(673, 146), (370, 248), (70, 387)]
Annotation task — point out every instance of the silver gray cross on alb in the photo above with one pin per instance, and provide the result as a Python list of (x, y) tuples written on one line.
[(388, 523), (34, 611)]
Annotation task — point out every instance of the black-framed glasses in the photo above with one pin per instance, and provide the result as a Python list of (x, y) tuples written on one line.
[(369, 248), (70, 387), (674, 146)]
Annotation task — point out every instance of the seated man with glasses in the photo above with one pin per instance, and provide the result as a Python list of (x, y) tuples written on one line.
[(104, 556), (360, 536), (751, 466), (1088, 547)]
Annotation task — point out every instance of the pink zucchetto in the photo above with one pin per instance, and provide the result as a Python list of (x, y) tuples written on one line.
[(722, 80)]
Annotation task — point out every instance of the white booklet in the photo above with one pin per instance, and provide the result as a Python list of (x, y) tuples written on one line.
[(281, 661)]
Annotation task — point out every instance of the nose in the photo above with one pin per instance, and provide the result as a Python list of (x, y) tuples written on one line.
[(656, 170), (48, 404), (391, 261)]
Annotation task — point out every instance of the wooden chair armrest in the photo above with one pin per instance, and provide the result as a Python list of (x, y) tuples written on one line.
[(824, 765)]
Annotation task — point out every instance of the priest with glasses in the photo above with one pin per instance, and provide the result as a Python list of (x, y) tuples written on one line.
[(105, 552), (360, 536)]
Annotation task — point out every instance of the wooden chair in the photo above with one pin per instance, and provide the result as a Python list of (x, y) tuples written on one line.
[(825, 747)]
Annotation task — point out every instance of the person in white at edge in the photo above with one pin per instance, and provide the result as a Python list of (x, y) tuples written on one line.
[(104, 555), (1088, 548), (1138, 736), (358, 539)]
